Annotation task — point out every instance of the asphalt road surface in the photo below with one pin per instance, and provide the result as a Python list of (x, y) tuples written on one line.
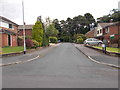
[(62, 67)]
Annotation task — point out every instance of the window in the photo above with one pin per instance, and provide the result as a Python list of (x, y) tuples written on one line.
[(107, 30), (97, 32), (100, 31), (10, 26), (89, 39)]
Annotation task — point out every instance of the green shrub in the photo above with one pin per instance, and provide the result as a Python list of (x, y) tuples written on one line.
[(45, 41), (35, 43), (66, 38), (28, 37), (53, 39), (79, 40)]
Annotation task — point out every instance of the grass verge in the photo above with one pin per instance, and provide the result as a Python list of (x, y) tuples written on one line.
[(7, 50), (110, 49)]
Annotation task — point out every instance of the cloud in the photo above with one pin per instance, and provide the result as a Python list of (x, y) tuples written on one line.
[(11, 9)]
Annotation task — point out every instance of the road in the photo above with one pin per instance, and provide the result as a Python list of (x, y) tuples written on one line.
[(62, 67)]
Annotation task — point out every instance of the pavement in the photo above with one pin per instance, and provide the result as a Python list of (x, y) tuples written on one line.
[(32, 55), (61, 67), (98, 56)]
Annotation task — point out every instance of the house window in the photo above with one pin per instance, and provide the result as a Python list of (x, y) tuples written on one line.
[(100, 31), (97, 32), (107, 30), (10, 26)]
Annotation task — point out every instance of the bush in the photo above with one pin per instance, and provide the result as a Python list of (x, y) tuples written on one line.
[(66, 38), (79, 40), (77, 36), (35, 43), (28, 37), (29, 43), (20, 41), (53, 39), (45, 40)]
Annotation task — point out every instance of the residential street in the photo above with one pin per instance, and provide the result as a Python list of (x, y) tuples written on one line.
[(61, 67)]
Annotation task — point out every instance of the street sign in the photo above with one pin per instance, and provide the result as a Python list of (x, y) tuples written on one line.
[(112, 36)]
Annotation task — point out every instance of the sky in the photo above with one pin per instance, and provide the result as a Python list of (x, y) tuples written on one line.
[(60, 9)]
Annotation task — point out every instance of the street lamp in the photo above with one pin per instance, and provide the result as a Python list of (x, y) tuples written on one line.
[(23, 27)]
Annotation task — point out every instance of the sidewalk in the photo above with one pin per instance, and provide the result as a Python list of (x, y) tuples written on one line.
[(98, 56), (29, 55)]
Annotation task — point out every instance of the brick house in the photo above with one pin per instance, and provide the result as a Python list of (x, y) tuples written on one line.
[(100, 31), (28, 30), (112, 34), (91, 33), (8, 32)]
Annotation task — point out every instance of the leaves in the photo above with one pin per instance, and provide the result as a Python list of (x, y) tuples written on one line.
[(37, 32)]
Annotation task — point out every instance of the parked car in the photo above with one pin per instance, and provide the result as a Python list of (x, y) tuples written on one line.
[(92, 41)]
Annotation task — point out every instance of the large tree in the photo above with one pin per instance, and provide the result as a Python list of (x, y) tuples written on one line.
[(51, 30), (113, 16), (37, 32)]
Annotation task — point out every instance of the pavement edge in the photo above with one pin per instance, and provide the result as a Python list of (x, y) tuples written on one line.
[(112, 65), (20, 62)]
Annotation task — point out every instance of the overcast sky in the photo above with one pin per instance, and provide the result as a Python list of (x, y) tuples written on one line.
[(60, 9)]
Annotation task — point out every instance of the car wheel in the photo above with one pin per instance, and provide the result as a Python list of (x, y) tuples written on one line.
[(87, 44)]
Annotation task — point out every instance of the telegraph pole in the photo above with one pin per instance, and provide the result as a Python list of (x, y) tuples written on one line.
[(23, 27)]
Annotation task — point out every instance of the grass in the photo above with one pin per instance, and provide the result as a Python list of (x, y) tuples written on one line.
[(110, 49), (7, 50)]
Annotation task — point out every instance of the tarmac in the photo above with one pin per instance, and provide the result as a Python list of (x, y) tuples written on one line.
[(98, 57), (29, 56)]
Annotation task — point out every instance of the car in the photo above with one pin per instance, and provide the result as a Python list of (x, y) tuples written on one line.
[(92, 41)]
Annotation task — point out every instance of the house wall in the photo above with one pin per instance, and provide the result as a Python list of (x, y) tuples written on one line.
[(90, 34), (4, 40), (4, 36), (28, 32), (13, 40), (98, 30), (114, 29)]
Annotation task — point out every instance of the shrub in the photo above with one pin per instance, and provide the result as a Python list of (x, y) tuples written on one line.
[(29, 43), (45, 40), (53, 39), (66, 39), (20, 41), (35, 43), (28, 37), (79, 40)]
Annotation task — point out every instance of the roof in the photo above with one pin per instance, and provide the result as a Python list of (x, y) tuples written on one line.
[(7, 32), (26, 27), (103, 25), (5, 19), (91, 30)]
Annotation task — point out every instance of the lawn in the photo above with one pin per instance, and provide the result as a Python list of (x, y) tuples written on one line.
[(117, 50), (7, 50)]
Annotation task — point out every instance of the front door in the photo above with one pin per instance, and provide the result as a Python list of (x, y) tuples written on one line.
[(9, 40)]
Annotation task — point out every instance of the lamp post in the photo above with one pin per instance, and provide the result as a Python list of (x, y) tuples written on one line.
[(23, 27)]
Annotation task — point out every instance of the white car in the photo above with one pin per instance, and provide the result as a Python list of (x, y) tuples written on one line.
[(92, 41)]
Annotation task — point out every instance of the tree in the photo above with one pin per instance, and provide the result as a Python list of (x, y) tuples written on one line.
[(89, 18), (51, 30), (37, 32), (57, 26), (114, 15)]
